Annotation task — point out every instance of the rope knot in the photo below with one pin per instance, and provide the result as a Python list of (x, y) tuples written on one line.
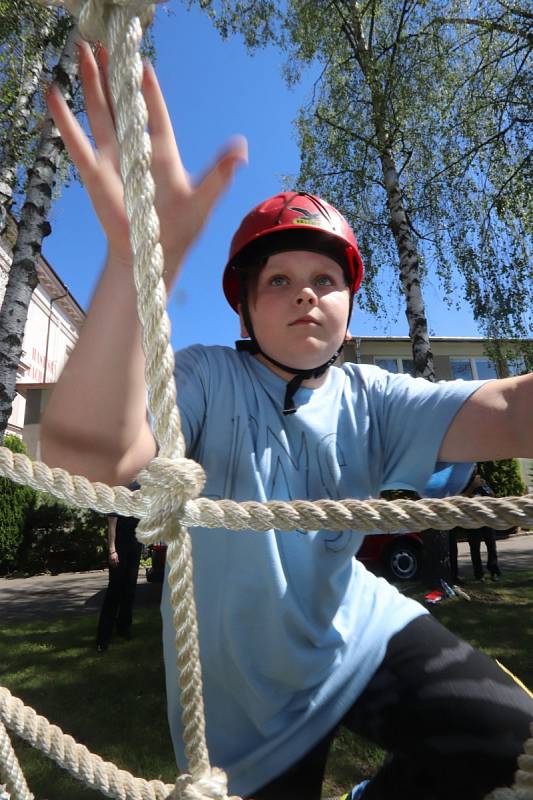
[(213, 786), (92, 15), (167, 485)]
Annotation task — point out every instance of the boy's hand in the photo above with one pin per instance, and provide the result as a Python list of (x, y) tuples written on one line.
[(182, 207)]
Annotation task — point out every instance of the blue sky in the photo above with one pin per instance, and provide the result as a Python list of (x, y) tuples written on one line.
[(215, 89)]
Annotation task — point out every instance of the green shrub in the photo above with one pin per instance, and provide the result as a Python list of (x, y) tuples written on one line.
[(59, 538), (15, 503), (504, 477)]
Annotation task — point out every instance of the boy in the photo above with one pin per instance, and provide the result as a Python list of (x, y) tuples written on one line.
[(295, 635)]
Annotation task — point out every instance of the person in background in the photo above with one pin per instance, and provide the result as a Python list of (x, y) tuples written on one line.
[(479, 487), (124, 555)]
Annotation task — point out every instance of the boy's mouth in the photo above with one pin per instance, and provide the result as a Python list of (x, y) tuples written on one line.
[(307, 320)]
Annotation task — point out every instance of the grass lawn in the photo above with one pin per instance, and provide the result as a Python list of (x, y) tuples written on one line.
[(114, 703)]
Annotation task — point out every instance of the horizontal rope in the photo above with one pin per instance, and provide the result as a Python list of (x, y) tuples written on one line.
[(361, 515)]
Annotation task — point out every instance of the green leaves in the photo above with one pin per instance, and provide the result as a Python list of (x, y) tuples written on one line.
[(448, 94)]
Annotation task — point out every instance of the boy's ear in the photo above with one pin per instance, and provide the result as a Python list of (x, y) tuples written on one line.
[(348, 336), (244, 331)]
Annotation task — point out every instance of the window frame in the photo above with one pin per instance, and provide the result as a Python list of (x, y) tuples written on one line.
[(473, 367)]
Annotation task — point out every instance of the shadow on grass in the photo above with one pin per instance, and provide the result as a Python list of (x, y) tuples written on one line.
[(113, 703)]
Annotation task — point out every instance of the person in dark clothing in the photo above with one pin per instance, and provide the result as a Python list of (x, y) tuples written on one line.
[(124, 557), (477, 487)]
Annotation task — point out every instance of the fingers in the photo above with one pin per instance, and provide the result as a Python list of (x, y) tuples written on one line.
[(97, 103), (217, 179), (75, 140), (102, 59), (164, 147)]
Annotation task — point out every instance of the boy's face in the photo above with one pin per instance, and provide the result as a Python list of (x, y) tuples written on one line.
[(299, 308)]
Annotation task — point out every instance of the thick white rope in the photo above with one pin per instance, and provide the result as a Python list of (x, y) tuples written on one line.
[(169, 488), (61, 748), (16, 786), (166, 502)]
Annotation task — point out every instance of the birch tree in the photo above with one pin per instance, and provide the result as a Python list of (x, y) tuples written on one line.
[(32, 228), (31, 37), (412, 131), (419, 129)]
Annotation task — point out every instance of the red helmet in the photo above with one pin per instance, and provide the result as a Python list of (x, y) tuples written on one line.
[(291, 221)]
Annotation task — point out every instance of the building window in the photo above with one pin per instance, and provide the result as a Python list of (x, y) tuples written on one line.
[(485, 368), (517, 366), (390, 364), (461, 368), (408, 366), (472, 369), (396, 364)]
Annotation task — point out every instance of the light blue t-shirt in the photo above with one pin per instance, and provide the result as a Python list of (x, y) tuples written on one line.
[(291, 626)]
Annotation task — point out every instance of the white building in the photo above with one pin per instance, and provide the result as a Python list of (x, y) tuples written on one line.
[(52, 328), (454, 357)]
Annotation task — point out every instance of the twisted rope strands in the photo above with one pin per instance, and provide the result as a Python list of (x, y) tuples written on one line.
[(361, 515), (116, 22), (522, 788), (188, 655), (10, 769), (126, 72), (75, 758), (125, 77)]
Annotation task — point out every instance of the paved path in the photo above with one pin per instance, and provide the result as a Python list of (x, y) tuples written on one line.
[(52, 596)]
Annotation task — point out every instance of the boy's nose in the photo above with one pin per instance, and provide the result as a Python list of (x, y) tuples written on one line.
[(306, 296)]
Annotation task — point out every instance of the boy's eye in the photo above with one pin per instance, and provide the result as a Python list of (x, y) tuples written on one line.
[(278, 280), (325, 280)]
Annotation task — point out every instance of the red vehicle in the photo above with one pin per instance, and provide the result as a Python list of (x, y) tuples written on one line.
[(397, 555)]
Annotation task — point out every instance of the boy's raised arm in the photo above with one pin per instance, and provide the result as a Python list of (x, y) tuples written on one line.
[(495, 422), (95, 422)]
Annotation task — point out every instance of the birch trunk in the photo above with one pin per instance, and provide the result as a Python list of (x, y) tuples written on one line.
[(403, 235), (436, 564), (409, 270), (33, 227), (20, 121)]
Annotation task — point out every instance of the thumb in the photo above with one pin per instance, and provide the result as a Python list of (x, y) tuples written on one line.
[(217, 179)]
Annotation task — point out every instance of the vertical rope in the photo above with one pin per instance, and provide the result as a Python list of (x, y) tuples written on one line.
[(10, 770), (126, 72)]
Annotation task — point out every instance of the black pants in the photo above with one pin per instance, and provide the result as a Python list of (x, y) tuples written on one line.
[(120, 594), (451, 720), (475, 537)]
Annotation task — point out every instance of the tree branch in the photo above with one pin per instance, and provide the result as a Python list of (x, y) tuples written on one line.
[(488, 25), (347, 131)]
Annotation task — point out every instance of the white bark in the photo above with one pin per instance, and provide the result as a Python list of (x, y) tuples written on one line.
[(403, 235), (33, 227), (20, 116), (409, 270)]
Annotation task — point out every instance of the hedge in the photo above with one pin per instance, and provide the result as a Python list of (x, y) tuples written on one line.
[(15, 503), (59, 538), (504, 477)]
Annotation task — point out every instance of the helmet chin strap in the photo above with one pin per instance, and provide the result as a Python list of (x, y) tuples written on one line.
[(253, 347)]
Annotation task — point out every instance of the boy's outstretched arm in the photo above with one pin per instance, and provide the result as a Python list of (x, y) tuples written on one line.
[(95, 422), (495, 422)]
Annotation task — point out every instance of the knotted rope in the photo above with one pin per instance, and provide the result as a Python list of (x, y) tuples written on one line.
[(168, 500)]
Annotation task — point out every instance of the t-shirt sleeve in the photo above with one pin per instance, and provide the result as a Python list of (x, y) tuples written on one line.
[(192, 386), (413, 416)]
